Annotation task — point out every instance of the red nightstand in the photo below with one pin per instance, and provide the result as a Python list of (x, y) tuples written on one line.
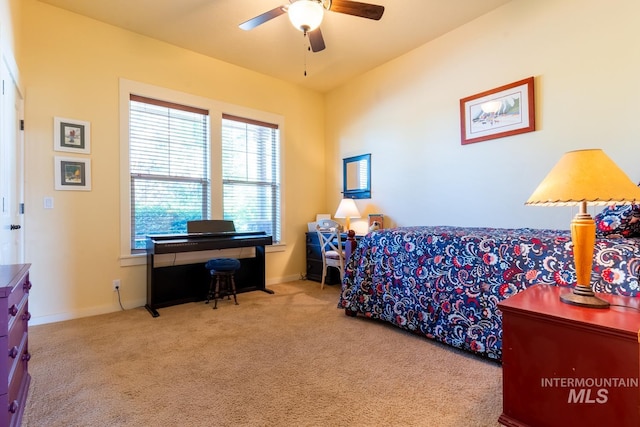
[(564, 365)]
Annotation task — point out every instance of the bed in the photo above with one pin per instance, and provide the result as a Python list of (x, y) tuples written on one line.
[(445, 282)]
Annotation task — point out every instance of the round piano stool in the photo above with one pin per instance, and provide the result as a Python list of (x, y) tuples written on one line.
[(222, 282)]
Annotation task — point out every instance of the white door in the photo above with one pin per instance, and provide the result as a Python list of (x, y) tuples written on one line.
[(11, 172)]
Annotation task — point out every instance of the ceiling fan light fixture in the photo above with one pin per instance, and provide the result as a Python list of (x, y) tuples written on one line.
[(306, 15)]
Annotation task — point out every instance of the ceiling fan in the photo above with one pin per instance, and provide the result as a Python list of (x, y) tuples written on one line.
[(306, 16)]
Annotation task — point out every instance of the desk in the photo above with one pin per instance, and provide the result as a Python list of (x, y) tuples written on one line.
[(564, 365), (175, 265)]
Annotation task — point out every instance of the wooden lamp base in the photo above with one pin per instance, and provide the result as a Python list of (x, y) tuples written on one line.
[(583, 235)]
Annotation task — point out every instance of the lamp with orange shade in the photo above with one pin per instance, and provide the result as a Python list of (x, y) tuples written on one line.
[(581, 178)]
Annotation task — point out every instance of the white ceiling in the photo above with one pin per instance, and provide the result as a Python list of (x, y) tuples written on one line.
[(353, 45)]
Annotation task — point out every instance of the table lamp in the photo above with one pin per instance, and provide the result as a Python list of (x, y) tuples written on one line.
[(584, 177), (347, 209)]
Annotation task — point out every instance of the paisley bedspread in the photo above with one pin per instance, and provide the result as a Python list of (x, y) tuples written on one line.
[(445, 282)]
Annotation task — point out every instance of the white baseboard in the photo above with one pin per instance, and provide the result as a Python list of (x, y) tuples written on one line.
[(95, 311), (77, 314), (285, 279)]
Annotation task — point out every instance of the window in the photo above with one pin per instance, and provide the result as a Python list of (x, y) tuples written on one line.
[(183, 159), (250, 174), (169, 167)]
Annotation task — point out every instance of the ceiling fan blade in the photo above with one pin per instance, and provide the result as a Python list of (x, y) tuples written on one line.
[(261, 19), (315, 40), (363, 10)]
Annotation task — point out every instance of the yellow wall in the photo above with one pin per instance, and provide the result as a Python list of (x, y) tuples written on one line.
[(10, 23), (71, 67), (582, 53), (585, 58)]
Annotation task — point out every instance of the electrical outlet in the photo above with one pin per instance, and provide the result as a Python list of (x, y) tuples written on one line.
[(116, 285)]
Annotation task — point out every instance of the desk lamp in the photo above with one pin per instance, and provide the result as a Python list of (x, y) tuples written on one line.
[(581, 178), (347, 209)]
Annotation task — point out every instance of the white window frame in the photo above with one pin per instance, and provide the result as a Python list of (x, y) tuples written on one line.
[(216, 109)]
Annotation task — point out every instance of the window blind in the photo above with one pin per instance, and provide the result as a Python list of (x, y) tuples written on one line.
[(169, 167), (250, 174)]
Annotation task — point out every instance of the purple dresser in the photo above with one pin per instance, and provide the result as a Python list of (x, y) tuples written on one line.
[(14, 373)]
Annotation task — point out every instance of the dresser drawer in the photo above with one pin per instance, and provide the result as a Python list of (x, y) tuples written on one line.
[(4, 368), (15, 298), (19, 380), (17, 334), (19, 369), (16, 398), (312, 238), (314, 252), (20, 318), (13, 344), (314, 272), (16, 285)]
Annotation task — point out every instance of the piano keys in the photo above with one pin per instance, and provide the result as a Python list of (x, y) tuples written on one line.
[(175, 264)]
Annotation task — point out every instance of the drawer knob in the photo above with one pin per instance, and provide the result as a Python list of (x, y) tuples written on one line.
[(13, 352), (27, 286), (13, 407), (26, 316), (13, 310), (26, 357)]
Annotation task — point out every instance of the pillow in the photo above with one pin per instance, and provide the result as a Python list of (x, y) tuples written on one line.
[(618, 221)]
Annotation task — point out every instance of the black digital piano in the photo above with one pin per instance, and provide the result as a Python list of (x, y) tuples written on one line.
[(175, 264)]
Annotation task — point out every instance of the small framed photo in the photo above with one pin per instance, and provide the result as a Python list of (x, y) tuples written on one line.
[(72, 173), (71, 135), (504, 111), (376, 222)]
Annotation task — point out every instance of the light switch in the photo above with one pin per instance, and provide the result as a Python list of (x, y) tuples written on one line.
[(48, 202)]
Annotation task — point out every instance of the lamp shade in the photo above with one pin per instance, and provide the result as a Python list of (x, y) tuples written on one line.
[(585, 176), (306, 15), (347, 209)]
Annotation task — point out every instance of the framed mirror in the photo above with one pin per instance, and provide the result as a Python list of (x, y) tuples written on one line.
[(356, 179)]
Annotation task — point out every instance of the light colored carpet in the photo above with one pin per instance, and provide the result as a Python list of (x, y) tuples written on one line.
[(288, 359)]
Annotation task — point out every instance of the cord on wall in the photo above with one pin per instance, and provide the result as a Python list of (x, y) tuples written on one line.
[(116, 288), (119, 300)]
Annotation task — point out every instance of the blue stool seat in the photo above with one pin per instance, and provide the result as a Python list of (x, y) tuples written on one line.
[(222, 264), (222, 272)]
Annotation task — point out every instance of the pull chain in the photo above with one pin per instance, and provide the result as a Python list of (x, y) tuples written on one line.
[(306, 49)]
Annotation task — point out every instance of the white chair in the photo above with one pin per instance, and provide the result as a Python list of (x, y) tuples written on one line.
[(330, 238)]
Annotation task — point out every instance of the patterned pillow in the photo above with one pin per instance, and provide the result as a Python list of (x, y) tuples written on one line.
[(618, 221)]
